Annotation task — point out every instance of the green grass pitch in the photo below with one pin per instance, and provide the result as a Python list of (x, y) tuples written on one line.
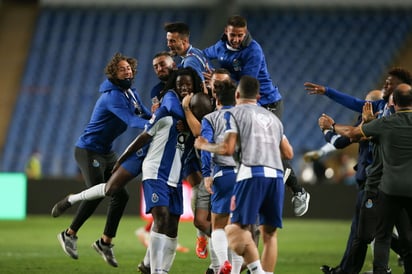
[(31, 246)]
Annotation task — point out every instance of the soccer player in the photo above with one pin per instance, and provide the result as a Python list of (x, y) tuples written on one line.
[(369, 222), (259, 189), (178, 41), (241, 55), (393, 134), (163, 66), (118, 107), (185, 79), (219, 176)]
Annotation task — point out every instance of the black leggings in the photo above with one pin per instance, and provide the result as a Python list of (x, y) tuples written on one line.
[(96, 169)]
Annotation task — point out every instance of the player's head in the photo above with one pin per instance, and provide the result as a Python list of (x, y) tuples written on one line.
[(177, 37), (236, 31), (121, 70), (225, 92), (184, 81), (395, 77), (200, 105), (163, 65), (248, 88), (219, 74), (374, 95), (402, 96)]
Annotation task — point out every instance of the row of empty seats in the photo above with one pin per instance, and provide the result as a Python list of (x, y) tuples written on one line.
[(347, 49)]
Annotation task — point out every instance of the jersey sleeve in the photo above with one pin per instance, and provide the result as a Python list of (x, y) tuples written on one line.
[(345, 100), (170, 106), (193, 62), (338, 141), (210, 53), (119, 106)]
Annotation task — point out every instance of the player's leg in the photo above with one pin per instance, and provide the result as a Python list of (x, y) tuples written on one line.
[(270, 218), (115, 188), (251, 194), (301, 197), (117, 181), (223, 184), (241, 242), (202, 220), (92, 166)]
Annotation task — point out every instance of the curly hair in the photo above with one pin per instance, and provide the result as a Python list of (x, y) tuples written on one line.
[(171, 83), (111, 68), (402, 74)]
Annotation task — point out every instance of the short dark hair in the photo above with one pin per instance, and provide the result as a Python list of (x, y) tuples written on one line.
[(111, 68), (221, 71), (225, 92), (162, 53), (237, 21), (402, 95), (179, 27), (402, 74), (248, 87)]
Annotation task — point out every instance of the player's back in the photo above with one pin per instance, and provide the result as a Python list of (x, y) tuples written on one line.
[(260, 134)]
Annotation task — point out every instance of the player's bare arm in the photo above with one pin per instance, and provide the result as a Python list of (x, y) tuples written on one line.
[(142, 139), (286, 148), (227, 147)]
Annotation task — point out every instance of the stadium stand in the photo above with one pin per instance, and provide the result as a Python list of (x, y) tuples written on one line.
[(349, 49)]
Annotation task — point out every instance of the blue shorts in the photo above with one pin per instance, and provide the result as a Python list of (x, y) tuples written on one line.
[(223, 184), (258, 197), (133, 164), (158, 193)]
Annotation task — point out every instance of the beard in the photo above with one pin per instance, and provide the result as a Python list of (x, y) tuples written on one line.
[(165, 77)]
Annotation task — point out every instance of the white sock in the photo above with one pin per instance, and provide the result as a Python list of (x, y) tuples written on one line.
[(255, 267), (157, 243), (169, 250), (92, 193), (146, 259), (237, 262), (220, 244), (214, 260)]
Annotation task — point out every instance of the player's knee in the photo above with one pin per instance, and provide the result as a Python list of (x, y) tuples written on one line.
[(238, 238), (160, 219)]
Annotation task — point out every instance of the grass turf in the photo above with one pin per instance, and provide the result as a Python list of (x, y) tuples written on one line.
[(31, 246)]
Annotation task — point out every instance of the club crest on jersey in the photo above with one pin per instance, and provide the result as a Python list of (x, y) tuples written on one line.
[(140, 152), (155, 198), (181, 140), (263, 120), (237, 66), (95, 163)]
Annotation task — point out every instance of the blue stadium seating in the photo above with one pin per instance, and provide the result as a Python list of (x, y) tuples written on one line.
[(347, 49)]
